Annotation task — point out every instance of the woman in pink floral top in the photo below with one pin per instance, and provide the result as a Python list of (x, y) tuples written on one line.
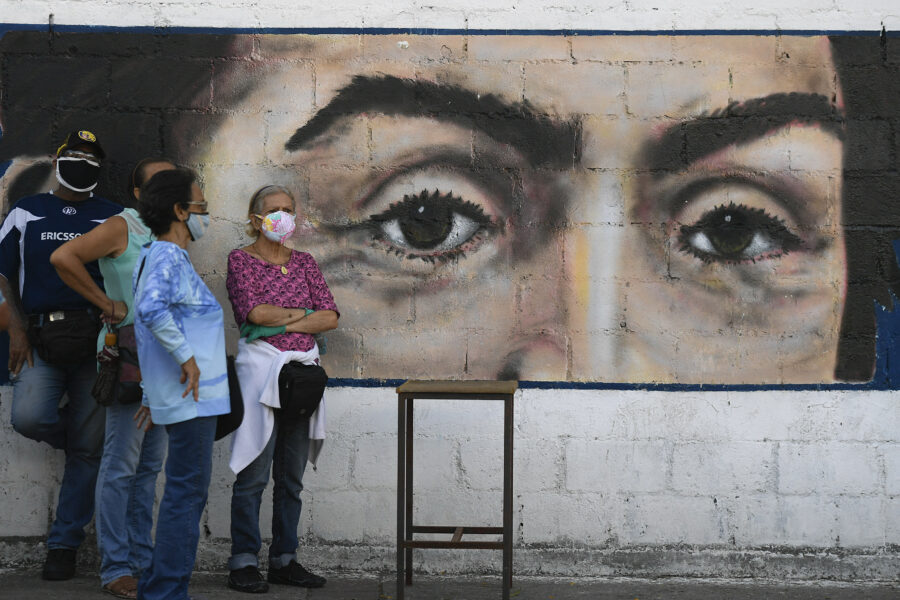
[(255, 281), (277, 294)]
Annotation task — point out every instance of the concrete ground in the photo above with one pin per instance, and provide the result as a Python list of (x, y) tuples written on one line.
[(27, 585)]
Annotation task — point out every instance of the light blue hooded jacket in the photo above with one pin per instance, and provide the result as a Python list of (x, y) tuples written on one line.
[(177, 317)]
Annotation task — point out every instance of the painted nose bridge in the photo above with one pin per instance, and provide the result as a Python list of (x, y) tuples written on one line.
[(592, 247), (539, 348), (567, 308)]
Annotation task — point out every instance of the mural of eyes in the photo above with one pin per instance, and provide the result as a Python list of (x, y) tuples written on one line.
[(415, 220), (431, 226), (737, 233)]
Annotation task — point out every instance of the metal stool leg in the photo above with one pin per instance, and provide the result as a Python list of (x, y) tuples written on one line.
[(401, 492), (507, 495), (409, 487)]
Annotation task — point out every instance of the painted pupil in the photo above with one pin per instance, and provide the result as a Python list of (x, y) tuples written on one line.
[(729, 231), (736, 233), (434, 226), (425, 222)]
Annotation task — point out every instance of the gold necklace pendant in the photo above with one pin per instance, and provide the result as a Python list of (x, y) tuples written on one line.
[(283, 270)]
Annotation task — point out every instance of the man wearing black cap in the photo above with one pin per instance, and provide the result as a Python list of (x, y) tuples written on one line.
[(53, 332)]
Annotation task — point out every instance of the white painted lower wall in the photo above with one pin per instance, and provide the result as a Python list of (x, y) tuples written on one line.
[(732, 484)]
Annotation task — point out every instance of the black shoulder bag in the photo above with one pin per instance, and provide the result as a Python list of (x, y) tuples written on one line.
[(300, 389), (65, 337), (230, 421)]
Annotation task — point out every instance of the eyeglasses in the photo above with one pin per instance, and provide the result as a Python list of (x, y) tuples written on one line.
[(205, 206)]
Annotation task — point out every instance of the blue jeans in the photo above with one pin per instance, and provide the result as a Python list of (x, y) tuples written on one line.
[(126, 489), (188, 470), (76, 428), (286, 453)]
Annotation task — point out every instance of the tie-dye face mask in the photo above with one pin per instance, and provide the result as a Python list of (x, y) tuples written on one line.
[(278, 226)]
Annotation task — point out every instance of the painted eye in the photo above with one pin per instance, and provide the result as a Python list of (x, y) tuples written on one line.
[(431, 226), (736, 233)]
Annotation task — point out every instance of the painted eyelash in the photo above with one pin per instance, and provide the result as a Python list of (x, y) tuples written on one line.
[(470, 209), (757, 220), (449, 203)]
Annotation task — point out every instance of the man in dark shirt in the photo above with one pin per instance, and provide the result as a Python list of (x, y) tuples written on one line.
[(40, 302)]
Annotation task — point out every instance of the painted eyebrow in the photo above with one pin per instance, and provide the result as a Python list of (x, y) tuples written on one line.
[(739, 123), (544, 141)]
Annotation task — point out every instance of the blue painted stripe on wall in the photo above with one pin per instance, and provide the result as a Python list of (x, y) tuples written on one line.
[(640, 387), (429, 31)]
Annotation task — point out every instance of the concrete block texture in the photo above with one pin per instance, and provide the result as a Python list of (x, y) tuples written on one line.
[(540, 206), (593, 471), (374, 465), (550, 208), (616, 467), (723, 468), (461, 14), (891, 453), (853, 469)]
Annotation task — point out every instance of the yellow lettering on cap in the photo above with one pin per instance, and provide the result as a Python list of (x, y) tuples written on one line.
[(87, 136)]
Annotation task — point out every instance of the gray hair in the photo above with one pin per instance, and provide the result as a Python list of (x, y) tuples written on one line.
[(256, 203)]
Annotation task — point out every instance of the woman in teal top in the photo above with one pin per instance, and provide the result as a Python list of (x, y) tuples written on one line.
[(132, 455)]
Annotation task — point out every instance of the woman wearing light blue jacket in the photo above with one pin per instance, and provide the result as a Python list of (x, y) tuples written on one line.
[(180, 333)]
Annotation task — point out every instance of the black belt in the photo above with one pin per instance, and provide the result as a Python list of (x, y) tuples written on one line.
[(38, 319)]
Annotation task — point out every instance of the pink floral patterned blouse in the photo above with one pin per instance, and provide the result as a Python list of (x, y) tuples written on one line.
[(252, 282)]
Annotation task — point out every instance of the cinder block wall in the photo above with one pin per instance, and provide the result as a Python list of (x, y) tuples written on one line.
[(717, 484), (763, 483)]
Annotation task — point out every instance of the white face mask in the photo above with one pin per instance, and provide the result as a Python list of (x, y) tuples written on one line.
[(77, 174), (197, 225), (278, 226)]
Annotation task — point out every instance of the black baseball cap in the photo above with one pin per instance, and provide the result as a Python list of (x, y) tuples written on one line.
[(81, 137)]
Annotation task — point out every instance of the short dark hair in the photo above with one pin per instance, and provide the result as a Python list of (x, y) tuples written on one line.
[(139, 174), (160, 195)]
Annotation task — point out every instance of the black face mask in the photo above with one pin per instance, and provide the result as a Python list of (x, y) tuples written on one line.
[(77, 174)]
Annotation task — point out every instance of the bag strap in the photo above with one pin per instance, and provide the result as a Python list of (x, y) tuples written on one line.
[(137, 281), (143, 262), (141, 270)]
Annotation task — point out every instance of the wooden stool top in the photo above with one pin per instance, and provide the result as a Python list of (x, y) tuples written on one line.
[(458, 387)]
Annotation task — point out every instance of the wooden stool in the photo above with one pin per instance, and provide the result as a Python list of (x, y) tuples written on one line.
[(450, 390)]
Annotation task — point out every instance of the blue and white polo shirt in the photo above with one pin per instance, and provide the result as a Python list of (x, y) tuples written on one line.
[(35, 227)]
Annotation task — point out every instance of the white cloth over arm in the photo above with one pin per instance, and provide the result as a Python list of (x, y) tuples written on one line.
[(258, 365)]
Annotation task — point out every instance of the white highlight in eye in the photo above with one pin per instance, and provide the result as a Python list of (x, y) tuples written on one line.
[(393, 233), (760, 244), (461, 230), (702, 243)]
